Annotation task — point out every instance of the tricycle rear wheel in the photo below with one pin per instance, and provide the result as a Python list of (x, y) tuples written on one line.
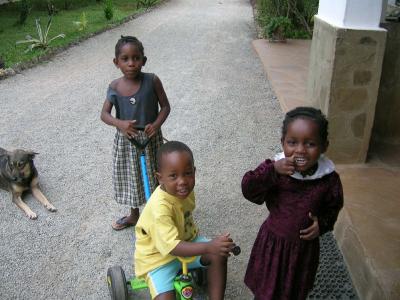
[(116, 281)]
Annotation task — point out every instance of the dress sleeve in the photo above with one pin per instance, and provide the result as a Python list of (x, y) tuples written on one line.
[(111, 95), (331, 205), (164, 231), (258, 183)]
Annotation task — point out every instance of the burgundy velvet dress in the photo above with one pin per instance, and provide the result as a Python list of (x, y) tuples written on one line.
[(282, 266)]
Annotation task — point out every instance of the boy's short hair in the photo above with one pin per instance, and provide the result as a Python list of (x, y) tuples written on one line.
[(172, 146)]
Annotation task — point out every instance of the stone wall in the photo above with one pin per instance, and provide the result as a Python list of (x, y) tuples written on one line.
[(387, 117), (344, 76)]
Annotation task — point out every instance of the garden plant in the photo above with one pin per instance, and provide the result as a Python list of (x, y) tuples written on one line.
[(278, 29), (108, 9), (296, 17), (77, 19), (42, 41), (82, 23)]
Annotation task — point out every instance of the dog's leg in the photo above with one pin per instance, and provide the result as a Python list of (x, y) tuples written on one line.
[(37, 193), (18, 201)]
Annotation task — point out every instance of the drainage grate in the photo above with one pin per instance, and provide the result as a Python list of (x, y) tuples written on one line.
[(333, 280)]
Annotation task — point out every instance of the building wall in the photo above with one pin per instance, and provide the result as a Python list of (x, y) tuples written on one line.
[(387, 117)]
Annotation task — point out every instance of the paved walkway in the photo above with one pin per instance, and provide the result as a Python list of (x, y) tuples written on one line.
[(222, 106), (286, 65)]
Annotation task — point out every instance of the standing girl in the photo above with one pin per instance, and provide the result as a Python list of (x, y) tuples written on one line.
[(303, 194), (140, 101)]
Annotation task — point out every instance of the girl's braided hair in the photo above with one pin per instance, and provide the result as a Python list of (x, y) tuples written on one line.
[(309, 113), (128, 40)]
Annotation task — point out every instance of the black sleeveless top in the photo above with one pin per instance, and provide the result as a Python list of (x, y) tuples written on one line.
[(141, 106)]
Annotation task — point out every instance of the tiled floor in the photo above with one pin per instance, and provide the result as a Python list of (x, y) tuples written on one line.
[(368, 229)]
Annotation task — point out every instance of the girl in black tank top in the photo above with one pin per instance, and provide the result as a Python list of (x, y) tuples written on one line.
[(140, 100)]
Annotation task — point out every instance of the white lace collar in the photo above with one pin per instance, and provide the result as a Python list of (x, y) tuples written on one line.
[(325, 166)]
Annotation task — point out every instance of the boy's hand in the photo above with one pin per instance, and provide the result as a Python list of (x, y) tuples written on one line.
[(128, 128), (221, 245), (150, 130), (311, 232), (285, 166)]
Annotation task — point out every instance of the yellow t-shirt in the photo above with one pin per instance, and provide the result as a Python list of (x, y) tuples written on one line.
[(165, 221)]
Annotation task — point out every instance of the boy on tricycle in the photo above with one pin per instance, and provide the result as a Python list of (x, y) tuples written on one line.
[(166, 230)]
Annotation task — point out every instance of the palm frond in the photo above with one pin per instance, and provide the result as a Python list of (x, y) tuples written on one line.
[(27, 41), (32, 46), (48, 27), (39, 29), (61, 35)]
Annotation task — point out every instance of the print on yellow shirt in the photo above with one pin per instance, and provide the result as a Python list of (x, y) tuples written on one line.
[(165, 221)]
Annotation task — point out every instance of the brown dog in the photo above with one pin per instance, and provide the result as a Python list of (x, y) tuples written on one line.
[(18, 175)]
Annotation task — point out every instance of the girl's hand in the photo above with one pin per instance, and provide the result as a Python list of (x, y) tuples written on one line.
[(221, 245), (128, 128), (285, 166), (311, 232), (150, 130)]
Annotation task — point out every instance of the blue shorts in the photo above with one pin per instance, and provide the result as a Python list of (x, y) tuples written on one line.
[(161, 280)]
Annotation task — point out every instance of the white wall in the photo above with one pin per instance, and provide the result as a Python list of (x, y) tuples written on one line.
[(357, 14)]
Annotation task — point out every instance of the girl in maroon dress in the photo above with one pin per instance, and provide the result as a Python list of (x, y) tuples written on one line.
[(303, 194)]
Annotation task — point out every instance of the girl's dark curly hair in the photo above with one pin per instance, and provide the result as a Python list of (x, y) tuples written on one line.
[(128, 40), (309, 113)]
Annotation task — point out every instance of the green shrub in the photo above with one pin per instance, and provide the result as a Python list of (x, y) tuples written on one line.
[(2, 63), (278, 28), (67, 4), (145, 3), (24, 9), (51, 8), (108, 9), (299, 12), (82, 24), (61, 4)]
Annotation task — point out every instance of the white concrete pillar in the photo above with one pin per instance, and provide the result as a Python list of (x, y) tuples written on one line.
[(352, 14)]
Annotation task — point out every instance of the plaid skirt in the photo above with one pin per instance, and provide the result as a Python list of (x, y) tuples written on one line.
[(127, 176)]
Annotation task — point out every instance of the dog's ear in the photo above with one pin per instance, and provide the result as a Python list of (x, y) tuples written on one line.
[(6, 154), (31, 154)]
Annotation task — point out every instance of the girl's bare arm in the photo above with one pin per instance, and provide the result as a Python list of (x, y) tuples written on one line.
[(127, 127), (163, 101), (106, 116)]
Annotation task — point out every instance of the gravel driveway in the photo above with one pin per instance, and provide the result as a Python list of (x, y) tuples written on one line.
[(222, 107)]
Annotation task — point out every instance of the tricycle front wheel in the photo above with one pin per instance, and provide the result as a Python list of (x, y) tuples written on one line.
[(116, 281)]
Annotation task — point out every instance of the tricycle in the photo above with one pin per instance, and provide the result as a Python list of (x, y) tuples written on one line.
[(184, 284)]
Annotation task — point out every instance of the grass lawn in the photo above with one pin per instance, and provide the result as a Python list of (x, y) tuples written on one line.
[(12, 54)]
